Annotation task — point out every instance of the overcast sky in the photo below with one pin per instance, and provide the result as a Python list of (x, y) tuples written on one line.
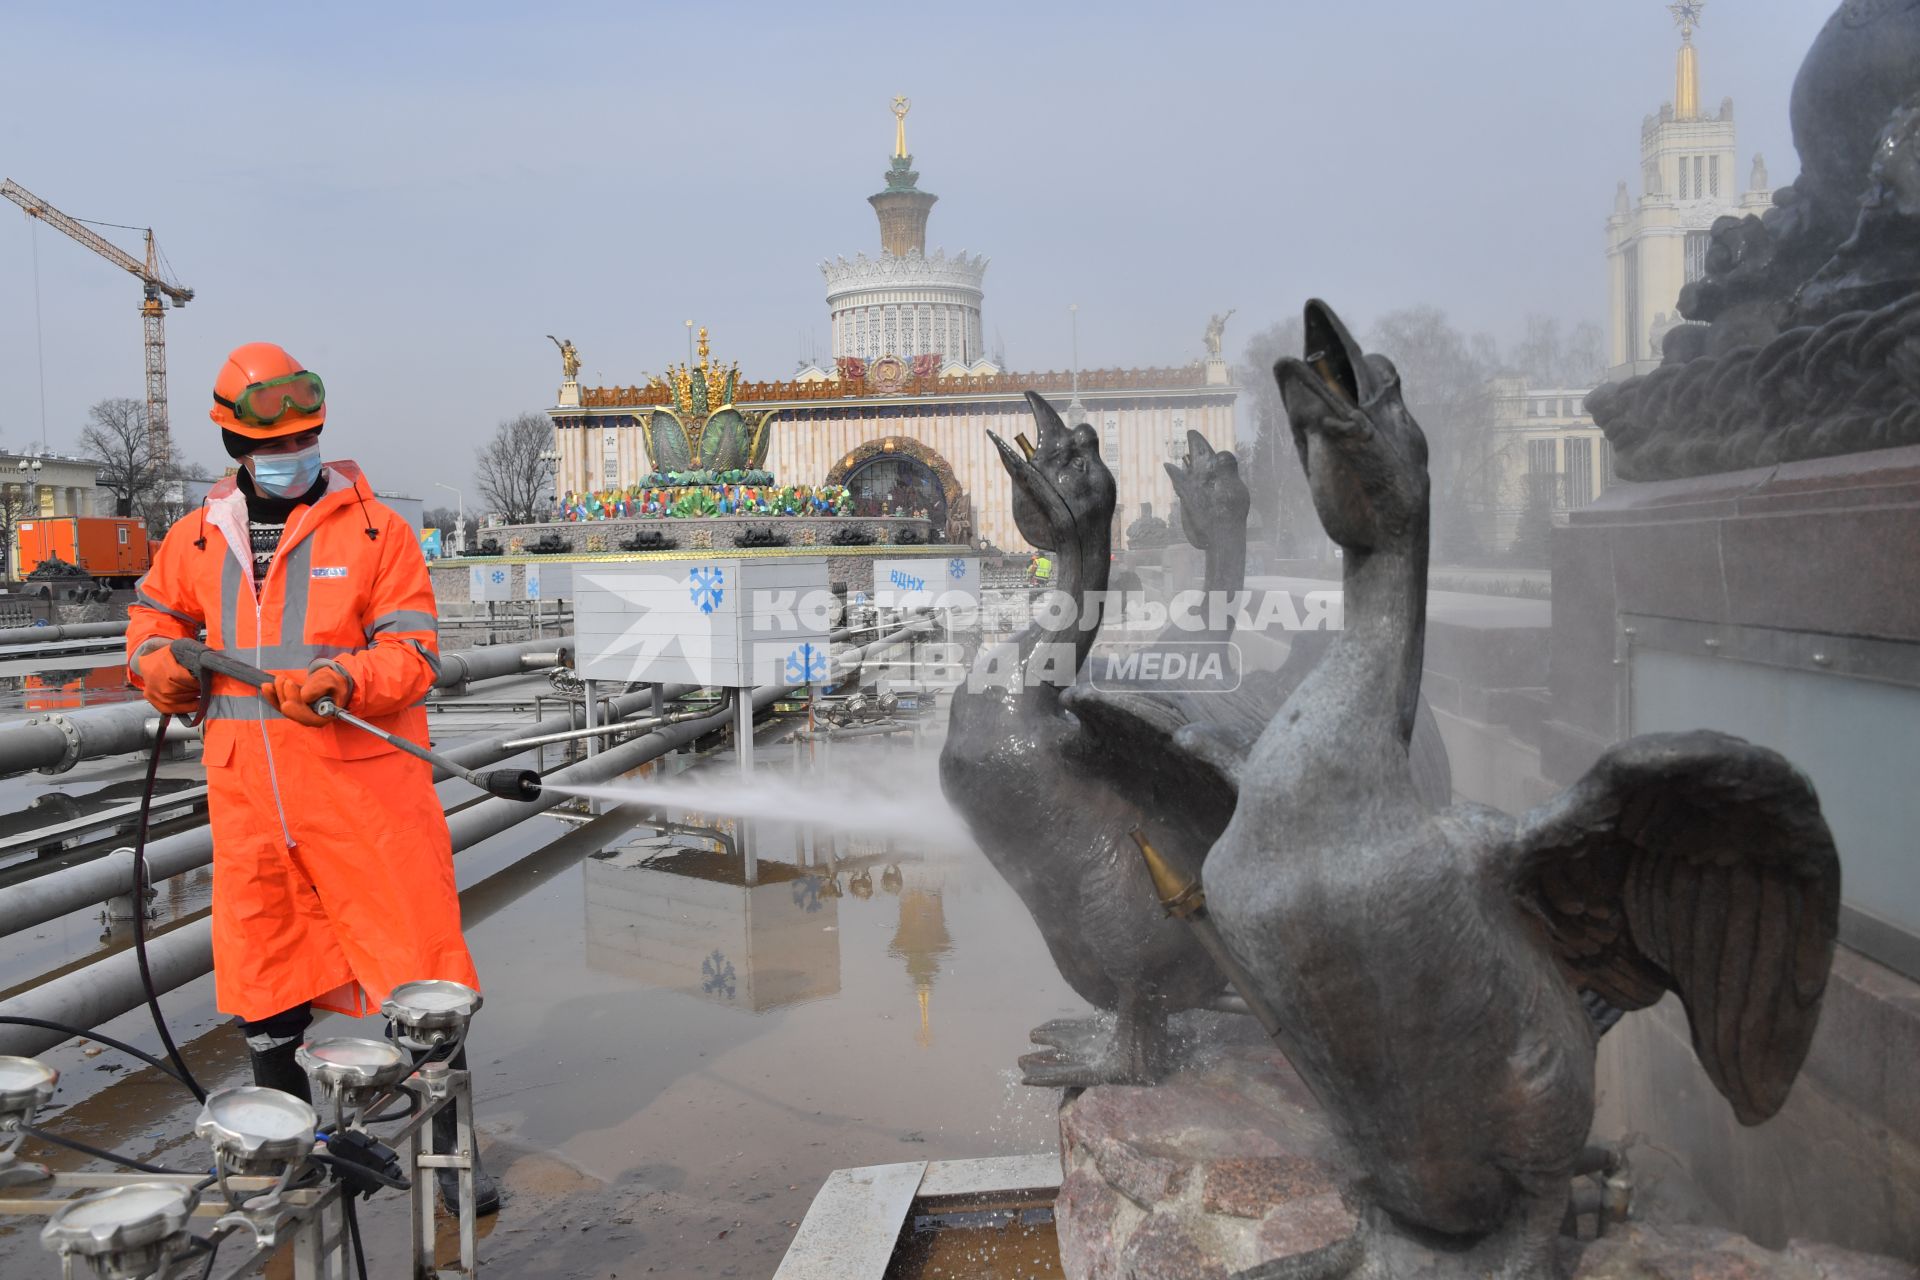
[(410, 196)]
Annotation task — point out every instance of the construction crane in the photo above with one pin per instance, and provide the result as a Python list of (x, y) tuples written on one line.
[(154, 288)]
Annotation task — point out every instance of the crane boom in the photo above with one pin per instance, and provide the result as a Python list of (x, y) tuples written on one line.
[(147, 271), (154, 286)]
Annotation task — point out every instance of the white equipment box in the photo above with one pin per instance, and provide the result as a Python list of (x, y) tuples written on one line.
[(549, 580), (488, 583), (927, 582), (733, 623)]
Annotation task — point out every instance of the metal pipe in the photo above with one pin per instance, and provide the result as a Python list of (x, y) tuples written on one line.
[(1182, 897), (603, 730), (62, 631), (57, 740), (467, 665), (105, 989)]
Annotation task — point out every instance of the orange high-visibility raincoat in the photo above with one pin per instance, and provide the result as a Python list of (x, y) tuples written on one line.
[(332, 866)]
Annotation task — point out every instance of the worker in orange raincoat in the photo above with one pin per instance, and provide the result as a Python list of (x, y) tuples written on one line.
[(333, 869)]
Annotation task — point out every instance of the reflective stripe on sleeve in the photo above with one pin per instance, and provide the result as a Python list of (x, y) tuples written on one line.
[(433, 659), (141, 600), (404, 620)]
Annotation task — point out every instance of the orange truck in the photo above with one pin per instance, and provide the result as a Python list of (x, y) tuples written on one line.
[(114, 550)]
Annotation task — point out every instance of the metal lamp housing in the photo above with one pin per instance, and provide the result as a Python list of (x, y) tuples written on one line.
[(125, 1233), (431, 1013), (26, 1085), (351, 1068), (255, 1130)]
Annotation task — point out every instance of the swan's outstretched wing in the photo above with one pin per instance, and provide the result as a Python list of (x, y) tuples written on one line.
[(1174, 753), (1695, 863)]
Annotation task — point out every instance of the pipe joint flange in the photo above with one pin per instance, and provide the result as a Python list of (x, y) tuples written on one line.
[(68, 730)]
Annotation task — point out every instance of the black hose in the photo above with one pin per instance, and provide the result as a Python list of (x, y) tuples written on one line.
[(140, 911), (212, 1246), (97, 1153), (353, 1233), (87, 1033)]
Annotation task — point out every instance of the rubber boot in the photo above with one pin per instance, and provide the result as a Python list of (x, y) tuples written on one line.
[(446, 1136), (275, 1069)]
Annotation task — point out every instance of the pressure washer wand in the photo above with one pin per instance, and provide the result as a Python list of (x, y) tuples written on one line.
[(508, 784)]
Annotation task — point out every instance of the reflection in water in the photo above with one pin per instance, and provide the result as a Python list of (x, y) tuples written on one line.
[(921, 940), (78, 687), (684, 918)]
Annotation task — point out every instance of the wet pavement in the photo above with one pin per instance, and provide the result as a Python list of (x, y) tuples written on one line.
[(671, 1058)]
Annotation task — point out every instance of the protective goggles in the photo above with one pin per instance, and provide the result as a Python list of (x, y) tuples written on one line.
[(265, 403)]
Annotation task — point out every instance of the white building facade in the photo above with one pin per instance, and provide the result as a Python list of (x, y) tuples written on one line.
[(1658, 244), (907, 306)]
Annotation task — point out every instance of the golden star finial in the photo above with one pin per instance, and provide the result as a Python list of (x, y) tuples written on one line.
[(900, 108)]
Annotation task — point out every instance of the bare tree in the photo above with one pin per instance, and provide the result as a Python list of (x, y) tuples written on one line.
[(130, 469), (1547, 358), (511, 473), (1446, 380), (1272, 471), (447, 519), (144, 483)]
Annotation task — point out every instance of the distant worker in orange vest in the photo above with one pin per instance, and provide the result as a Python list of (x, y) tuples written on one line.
[(332, 865)]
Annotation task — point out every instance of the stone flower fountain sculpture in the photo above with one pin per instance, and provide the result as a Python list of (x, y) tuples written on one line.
[(704, 430)]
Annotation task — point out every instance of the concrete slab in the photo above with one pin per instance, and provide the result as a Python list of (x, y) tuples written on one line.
[(991, 1175), (853, 1224)]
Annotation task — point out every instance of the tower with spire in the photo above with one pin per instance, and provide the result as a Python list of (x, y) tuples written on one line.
[(907, 306), (1657, 244)]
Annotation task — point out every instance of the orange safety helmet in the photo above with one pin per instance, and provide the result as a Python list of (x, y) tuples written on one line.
[(263, 393)]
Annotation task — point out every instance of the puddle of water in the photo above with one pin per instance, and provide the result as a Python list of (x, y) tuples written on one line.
[(986, 1244)]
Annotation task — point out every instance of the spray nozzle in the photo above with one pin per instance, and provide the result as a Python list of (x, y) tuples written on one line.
[(509, 784)]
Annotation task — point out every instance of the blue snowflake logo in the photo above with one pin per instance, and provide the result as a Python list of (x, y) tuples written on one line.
[(707, 587), (806, 664), (956, 568), (806, 893), (499, 575), (717, 976)]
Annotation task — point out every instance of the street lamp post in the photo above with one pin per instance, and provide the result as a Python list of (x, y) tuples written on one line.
[(460, 519), (29, 469), (1076, 412)]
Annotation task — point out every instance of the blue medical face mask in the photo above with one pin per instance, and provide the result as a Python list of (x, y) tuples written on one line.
[(285, 475)]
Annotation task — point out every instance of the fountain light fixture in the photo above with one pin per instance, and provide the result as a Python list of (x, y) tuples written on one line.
[(26, 1085), (131, 1232), (256, 1131), (351, 1071), (432, 1013)]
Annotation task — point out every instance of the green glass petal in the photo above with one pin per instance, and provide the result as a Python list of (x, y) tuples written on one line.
[(668, 448), (722, 440)]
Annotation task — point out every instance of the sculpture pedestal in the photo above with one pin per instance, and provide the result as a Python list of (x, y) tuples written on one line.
[(1229, 1165), (1226, 1165)]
